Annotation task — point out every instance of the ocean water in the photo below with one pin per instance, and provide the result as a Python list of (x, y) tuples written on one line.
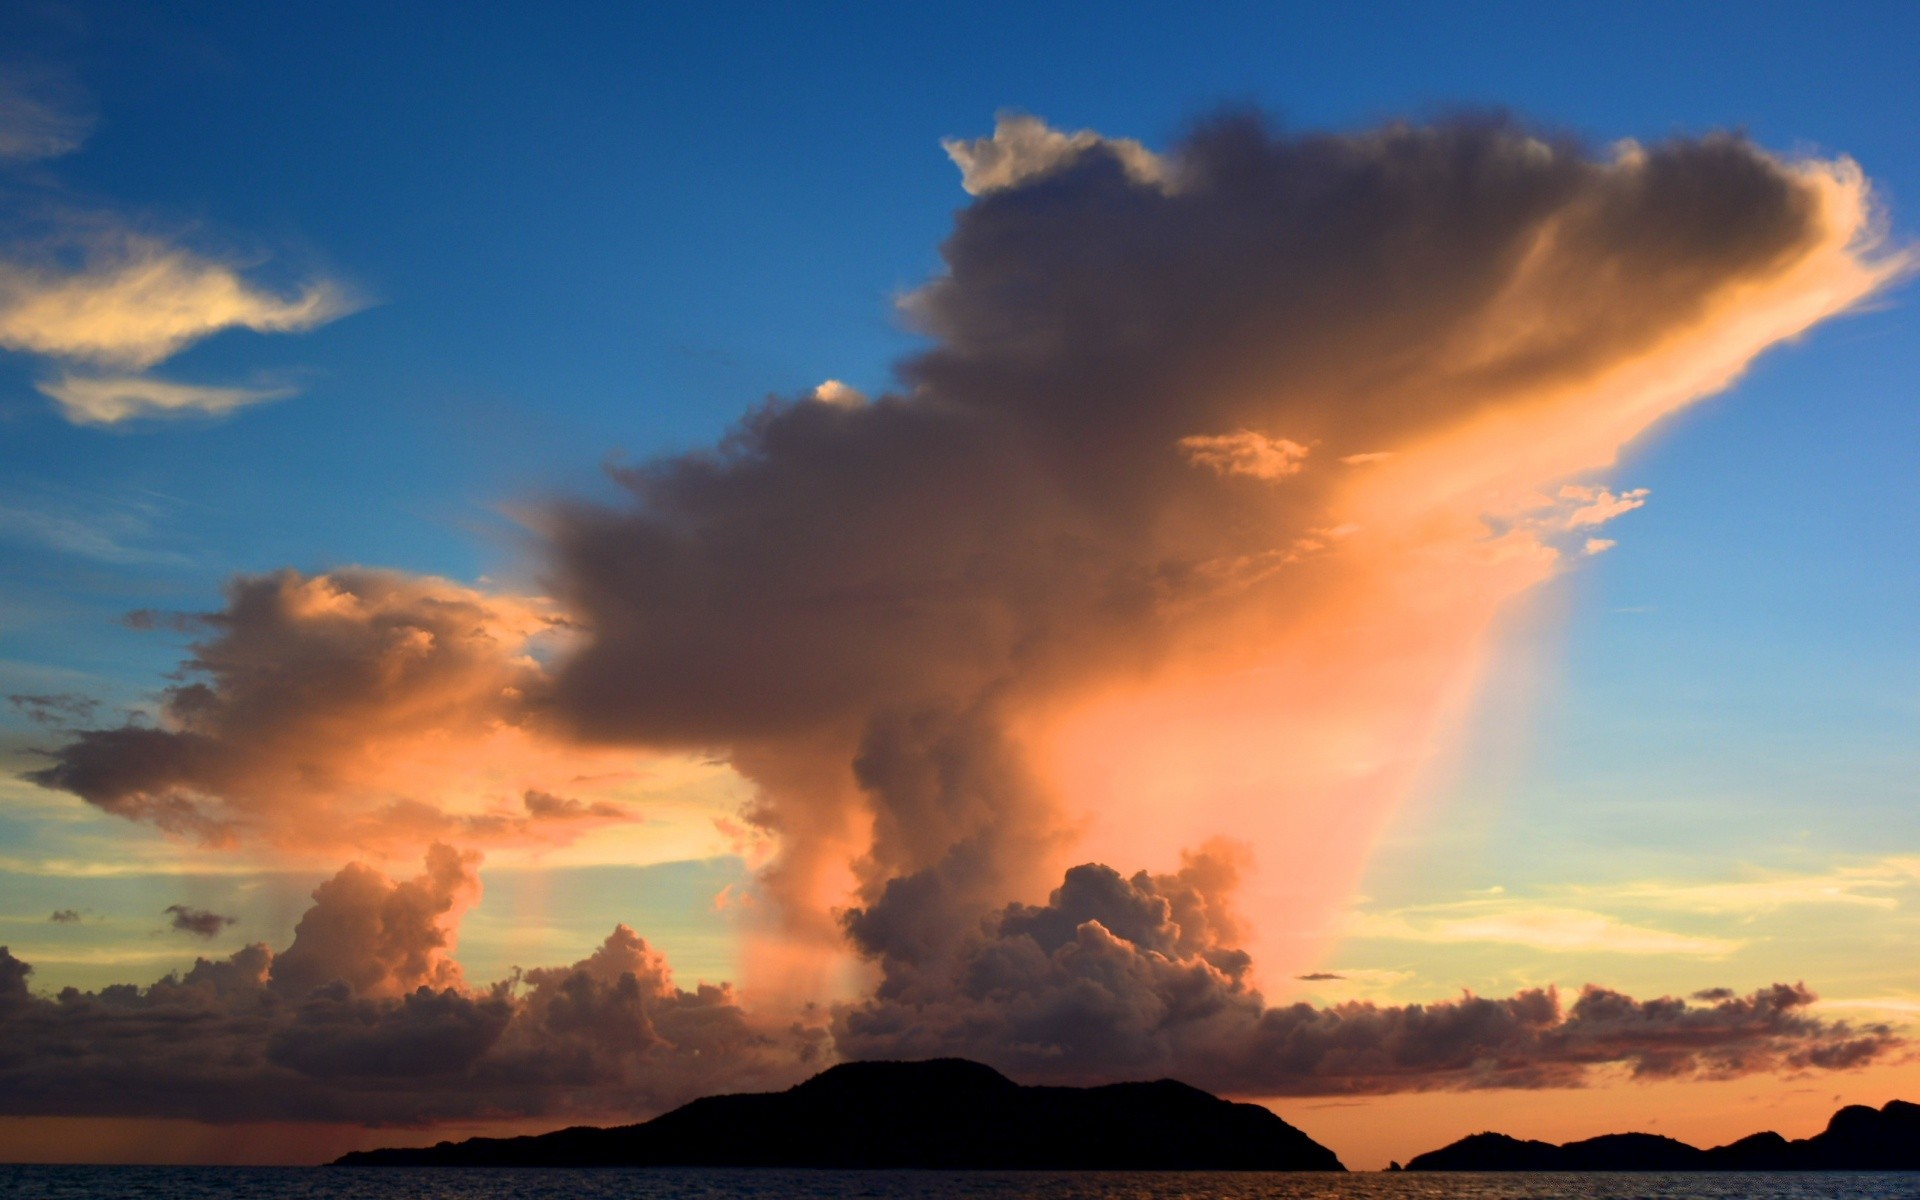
[(320, 1183)]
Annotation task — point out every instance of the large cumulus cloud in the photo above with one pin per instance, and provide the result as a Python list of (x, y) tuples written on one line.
[(365, 1018), (1191, 520), (1193, 516), (357, 708), (1139, 978)]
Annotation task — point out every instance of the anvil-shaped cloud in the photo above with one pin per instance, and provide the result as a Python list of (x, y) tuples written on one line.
[(1191, 522)]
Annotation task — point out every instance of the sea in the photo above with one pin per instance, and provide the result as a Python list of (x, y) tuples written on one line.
[(442, 1183)]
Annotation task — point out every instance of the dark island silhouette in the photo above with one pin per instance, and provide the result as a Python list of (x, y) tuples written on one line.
[(945, 1113), (1858, 1138)]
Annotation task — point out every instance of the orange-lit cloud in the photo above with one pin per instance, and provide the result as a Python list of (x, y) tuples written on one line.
[(138, 300), (968, 630), (361, 710), (110, 399), (365, 1018), (1193, 521)]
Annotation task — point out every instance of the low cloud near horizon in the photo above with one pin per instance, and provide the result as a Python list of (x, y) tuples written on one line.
[(367, 1018)]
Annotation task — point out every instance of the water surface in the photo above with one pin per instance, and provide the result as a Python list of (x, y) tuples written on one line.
[(444, 1183)]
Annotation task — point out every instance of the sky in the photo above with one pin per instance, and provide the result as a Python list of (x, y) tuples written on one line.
[(1269, 546)]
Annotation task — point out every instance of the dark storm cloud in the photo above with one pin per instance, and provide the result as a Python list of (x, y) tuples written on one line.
[(1131, 449), (1109, 980), (1147, 383), (59, 710), (364, 1019), (198, 921)]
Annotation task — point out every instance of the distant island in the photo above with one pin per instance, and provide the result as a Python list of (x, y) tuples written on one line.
[(1858, 1138), (945, 1114)]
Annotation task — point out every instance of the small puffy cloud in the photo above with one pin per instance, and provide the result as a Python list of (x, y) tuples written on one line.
[(65, 916), (545, 806), (135, 299), (43, 114), (1245, 453), (1598, 546), (110, 399), (198, 921), (1598, 505), (1023, 148), (1318, 977), (837, 393)]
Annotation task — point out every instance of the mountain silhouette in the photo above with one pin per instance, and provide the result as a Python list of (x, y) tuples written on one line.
[(1858, 1138), (946, 1113)]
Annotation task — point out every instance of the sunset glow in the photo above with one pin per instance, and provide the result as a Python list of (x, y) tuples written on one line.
[(480, 661)]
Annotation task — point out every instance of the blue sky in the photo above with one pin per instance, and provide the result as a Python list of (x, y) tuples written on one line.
[(599, 234)]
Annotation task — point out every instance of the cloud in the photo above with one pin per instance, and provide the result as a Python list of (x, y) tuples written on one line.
[(108, 400), (379, 937), (135, 300), (61, 710), (64, 916), (104, 529), (43, 114), (1102, 643), (1598, 505), (360, 708), (1875, 883), (1245, 453), (198, 921), (993, 621), (364, 1019), (1024, 148), (1538, 927), (835, 392), (1130, 978)]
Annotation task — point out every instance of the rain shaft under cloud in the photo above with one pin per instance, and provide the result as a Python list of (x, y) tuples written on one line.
[(1191, 523), (1194, 517)]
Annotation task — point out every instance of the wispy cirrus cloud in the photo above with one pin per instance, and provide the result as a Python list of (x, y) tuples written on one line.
[(1537, 927), (1875, 883), (104, 298), (136, 300), (43, 114), (111, 399)]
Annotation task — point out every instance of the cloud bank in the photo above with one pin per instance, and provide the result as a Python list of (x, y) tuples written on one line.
[(1138, 978), (366, 1018)]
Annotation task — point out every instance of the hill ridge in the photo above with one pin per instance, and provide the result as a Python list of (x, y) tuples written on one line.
[(1857, 1138), (938, 1113)]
